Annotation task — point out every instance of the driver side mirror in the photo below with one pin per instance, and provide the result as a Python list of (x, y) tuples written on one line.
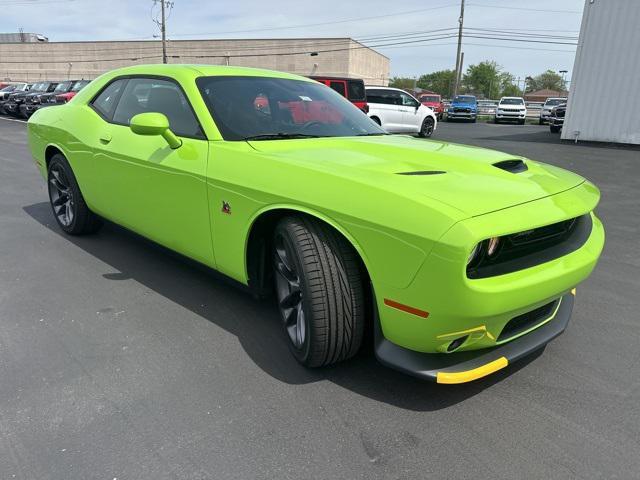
[(153, 123)]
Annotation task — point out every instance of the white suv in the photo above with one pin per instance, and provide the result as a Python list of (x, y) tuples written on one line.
[(511, 108), (398, 112)]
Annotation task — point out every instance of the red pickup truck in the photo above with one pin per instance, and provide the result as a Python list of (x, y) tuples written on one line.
[(434, 102)]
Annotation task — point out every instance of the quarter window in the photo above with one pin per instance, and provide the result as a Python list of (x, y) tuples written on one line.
[(162, 96), (105, 103)]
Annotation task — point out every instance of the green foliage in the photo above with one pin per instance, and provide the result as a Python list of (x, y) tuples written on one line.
[(440, 82), (483, 79), (401, 82), (548, 79)]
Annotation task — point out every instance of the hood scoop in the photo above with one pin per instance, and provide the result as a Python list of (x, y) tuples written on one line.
[(513, 166), (422, 172)]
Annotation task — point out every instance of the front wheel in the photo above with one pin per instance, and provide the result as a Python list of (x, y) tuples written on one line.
[(68, 205), (319, 290), (428, 125), (554, 129)]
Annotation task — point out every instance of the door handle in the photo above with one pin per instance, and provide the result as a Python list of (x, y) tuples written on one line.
[(105, 137)]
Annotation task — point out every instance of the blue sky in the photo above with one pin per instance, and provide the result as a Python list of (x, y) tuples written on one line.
[(71, 20)]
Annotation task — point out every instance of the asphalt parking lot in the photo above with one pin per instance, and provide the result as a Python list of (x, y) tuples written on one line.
[(121, 360)]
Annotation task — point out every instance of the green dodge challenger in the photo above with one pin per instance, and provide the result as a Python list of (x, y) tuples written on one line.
[(456, 260)]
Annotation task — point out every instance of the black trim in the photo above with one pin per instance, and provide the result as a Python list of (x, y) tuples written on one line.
[(520, 255), (422, 172), (427, 365), (513, 166), (527, 320), (151, 77)]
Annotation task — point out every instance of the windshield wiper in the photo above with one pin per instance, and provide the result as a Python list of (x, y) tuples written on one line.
[(279, 136)]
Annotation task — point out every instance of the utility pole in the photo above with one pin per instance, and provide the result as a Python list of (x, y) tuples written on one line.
[(458, 59), (162, 24), (163, 29), (459, 77)]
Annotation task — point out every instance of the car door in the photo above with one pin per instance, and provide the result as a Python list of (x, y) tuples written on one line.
[(411, 114), (143, 184), (387, 106)]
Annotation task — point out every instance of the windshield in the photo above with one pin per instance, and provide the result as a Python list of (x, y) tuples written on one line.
[(80, 85), (62, 87), (264, 108), (8, 88), (39, 87), (429, 98), (464, 99), (554, 101), (512, 101)]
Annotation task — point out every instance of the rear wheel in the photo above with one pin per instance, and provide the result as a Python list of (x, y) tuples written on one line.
[(68, 205), (426, 130), (319, 290)]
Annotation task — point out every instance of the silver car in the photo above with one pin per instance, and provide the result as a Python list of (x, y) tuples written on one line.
[(545, 111)]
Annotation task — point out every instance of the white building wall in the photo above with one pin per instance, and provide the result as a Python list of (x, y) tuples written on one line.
[(604, 102)]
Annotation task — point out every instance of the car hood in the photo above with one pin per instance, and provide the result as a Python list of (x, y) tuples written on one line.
[(467, 179)]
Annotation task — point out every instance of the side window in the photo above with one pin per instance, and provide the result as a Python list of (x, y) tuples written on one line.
[(154, 95), (338, 87), (408, 100), (386, 97), (105, 102)]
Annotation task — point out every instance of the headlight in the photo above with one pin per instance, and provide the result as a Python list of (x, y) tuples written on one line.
[(475, 253), (493, 245)]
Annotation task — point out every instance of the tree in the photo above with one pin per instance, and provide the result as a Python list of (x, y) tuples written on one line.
[(402, 82), (440, 82), (507, 87), (483, 79), (547, 80)]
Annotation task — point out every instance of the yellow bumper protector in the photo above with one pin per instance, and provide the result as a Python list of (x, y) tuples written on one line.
[(467, 376)]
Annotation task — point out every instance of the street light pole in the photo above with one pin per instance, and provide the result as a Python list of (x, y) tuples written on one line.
[(458, 66), (564, 83)]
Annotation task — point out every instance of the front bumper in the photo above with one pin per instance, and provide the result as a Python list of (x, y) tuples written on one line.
[(462, 367), (465, 115), (12, 108), (27, 109), (511, 115), (556, 122)]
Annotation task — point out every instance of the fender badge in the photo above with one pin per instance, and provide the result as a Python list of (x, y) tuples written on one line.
[(226, 208)]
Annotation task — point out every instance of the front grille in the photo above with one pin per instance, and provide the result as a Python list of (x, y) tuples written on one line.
[(462, 110), (527, 320), (532, 247)]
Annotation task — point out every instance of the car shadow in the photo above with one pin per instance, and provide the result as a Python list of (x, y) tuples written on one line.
[(256, 324)]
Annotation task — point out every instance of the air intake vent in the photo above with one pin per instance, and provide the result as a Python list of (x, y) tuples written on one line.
[(513, 166), (423, 172)]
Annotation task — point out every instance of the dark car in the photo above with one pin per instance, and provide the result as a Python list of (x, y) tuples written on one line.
[(7, 91), (12, 107), (556, 118), (33, 103), (62, 98), (350, 88)]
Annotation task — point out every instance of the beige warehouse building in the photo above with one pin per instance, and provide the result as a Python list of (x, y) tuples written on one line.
[(30, 62)]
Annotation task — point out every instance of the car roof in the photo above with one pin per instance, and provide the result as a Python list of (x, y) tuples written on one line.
[(195, 71), (509, 98), (384, 88)]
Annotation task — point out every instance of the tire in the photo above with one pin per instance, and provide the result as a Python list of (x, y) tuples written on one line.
[(474, 120), (427, 127), (377, 120), (495, 120), (320, 292), (540, 122), (522, 122), (67, 203), (554, 128)]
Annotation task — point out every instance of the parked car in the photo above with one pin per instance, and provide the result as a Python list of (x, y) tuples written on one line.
[(350, 88), (6, 92), (12, 106), (434, 102), (510, 109), (61, 94), (556, 118), (548, 105), (399, 112), (463, 107), (434, 247)]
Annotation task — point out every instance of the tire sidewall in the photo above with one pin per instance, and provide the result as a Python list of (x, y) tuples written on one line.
[(61, 162), (423, 132), (302, 354)]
